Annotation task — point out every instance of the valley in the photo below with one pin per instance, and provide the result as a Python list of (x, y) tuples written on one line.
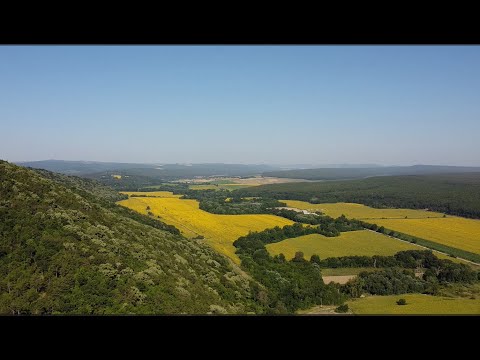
[(219, 231)]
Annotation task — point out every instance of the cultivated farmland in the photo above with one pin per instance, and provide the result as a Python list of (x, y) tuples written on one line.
[(361, 212), (220, 231), (416, 304), (362, 242), (452, 231)]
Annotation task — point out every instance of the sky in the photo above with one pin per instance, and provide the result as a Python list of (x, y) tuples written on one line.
[(390, 105)]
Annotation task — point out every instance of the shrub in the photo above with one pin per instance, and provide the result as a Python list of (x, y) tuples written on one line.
[(342, 308), (402, 302)]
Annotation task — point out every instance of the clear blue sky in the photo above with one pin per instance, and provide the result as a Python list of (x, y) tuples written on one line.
[(241, 104)]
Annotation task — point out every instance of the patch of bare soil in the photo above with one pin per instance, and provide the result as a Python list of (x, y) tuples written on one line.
[(319, 310), (341, 279)]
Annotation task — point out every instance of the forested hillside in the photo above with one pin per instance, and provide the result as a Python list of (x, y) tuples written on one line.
[(455, 194), (65, 247), (364, 172)]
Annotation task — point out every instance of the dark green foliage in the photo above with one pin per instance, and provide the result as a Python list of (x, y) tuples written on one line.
[(456, 194), (364, 172), (359, 261), (387, 282), (315, 259), (290, 285), (64, 249), (85, 187), (448, 271), (342, 308), (327, 227), (396, 280), (216, 203), (299, 257), (402, 302)]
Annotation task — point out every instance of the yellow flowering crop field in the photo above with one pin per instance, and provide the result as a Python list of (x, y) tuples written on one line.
[(452, 231), (361, 243), (361, 212), (220, 231)]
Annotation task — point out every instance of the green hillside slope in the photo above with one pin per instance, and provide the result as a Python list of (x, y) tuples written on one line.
[(65, 247)]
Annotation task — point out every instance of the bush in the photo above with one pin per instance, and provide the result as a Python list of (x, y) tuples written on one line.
[(342, 308), (402, 302)]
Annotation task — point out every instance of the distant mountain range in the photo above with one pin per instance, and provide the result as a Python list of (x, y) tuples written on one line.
[(81, 168), (322, 166), (297, 171)]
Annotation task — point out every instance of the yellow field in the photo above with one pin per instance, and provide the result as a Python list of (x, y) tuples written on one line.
[(118, 177), (453, 231), (220, 231), (362, 243), (416, 304), (361, 212), (160, 194)]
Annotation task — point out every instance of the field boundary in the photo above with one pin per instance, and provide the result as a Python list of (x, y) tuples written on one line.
[(442, 249)]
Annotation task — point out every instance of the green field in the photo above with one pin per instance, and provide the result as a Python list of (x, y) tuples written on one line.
[(450, 232), (416, 304), (362, 243)]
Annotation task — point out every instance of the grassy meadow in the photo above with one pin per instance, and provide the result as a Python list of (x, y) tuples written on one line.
[(452, 231), (416, 304), (362, 243), (220, 231)]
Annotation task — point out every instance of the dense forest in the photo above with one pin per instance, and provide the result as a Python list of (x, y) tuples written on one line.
[(297, 283), (221, 201), (455, 194), (294, 284), (399, 277), (65, 247), (364, 172)]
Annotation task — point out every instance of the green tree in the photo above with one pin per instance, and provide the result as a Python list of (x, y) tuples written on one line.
[(299, 257), (315, 259)]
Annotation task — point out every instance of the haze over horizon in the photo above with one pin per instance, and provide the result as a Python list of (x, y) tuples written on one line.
[(386, 105)]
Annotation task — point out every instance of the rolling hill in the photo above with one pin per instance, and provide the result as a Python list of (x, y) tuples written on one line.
[(359, 173), (66, 248), (163, 171), (455, 194)]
